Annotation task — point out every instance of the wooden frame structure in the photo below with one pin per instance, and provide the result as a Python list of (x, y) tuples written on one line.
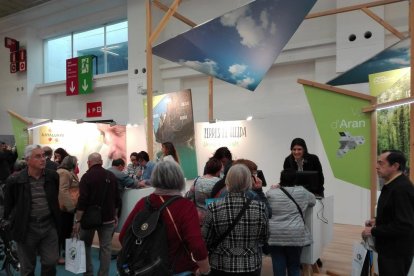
[(374, 106), (171, 11)]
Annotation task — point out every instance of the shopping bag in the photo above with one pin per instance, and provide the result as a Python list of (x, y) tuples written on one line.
[(75, 258), (358, 258)]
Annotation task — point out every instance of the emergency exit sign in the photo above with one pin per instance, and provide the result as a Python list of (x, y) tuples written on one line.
[(79, 75)]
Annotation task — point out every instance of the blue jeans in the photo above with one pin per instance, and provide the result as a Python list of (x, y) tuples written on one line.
[(286, 258), (105, 248)]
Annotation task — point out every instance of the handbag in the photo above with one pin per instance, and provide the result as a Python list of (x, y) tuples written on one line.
[(294, 201), (92, 217), (75, 258), (232, 225)]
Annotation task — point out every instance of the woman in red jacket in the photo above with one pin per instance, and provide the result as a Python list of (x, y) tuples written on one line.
[(168, 181)]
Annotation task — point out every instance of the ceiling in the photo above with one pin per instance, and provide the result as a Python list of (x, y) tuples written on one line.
[(8, 7)]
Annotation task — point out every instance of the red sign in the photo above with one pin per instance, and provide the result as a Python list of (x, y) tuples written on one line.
[(94, 109), (13, 67), (22, 66), (72, 77), (11, 43), (22, 55)]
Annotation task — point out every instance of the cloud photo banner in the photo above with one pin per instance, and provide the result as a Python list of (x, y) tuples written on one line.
[(240, 46)]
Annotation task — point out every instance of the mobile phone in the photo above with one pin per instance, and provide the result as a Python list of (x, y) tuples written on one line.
[(260, 175)]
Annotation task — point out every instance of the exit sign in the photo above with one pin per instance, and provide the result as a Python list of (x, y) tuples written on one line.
[(79, 75), (94, 109)]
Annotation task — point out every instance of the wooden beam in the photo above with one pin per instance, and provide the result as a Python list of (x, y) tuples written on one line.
[(150, 126), (384, 23), (352, 8), (373, 164), (210, 99), (338, 90), (177, 15), (164, 21), (21, 118), (374, 106)]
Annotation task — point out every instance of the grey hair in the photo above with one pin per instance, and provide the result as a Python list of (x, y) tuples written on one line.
[(95, 158), (29, 149), (168, 175), (69, 163), (238, 179)]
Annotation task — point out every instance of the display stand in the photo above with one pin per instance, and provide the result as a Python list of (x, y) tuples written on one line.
[(319, 221), (130, 197)]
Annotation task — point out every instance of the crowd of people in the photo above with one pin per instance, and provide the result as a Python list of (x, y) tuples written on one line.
[(222, 225)]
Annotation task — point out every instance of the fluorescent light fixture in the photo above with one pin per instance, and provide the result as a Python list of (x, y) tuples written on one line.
[(111, 122), (387, 105), (32, 126), (249, 118)]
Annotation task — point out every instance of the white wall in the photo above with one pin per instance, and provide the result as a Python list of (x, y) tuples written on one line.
[(279, 101)]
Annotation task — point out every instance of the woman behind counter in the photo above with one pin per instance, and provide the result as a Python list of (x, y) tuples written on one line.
[(301, 160)]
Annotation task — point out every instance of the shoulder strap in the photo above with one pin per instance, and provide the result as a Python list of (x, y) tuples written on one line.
[(231, 227), (165, 203), (294, 201)]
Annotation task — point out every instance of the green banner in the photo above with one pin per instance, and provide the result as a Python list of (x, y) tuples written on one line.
[(345, 133), (393, 124), (85, 74), (21, 136)]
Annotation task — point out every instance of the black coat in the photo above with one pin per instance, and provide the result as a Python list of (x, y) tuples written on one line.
[(311, 163), (394, 224), (18, 197)]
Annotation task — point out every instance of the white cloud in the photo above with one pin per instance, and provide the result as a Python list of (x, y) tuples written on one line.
[(237, 69), (250, 33), (245, 82), (208, 67), (230, 19), (264, 18), (273, 29), (399, 61)]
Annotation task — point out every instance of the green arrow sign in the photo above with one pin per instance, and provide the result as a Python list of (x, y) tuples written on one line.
[(85, 74)]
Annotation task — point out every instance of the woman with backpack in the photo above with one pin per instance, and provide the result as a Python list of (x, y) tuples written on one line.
[(186, 250)]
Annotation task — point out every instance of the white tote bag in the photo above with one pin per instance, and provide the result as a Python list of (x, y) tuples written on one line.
[(358, 258), (75, 258)]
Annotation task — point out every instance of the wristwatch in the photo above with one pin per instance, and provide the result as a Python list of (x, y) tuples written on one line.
[(77, 221)]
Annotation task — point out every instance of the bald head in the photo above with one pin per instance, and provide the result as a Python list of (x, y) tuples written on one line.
[(94, 159), (48, 151)]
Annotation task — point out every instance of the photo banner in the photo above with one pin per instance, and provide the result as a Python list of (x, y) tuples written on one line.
[(345, 133), (173, 122), (393, 124)]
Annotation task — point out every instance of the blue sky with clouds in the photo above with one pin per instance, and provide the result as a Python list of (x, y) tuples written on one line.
[(240, 46), (394, 57)]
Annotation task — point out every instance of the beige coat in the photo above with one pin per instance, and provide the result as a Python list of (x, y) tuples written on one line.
[(68, 190)]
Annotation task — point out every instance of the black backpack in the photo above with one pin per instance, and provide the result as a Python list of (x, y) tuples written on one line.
[(145, 244)]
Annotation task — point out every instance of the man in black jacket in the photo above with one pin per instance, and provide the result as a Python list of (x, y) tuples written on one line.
[(31, 205), (98, 187), (393, 228)]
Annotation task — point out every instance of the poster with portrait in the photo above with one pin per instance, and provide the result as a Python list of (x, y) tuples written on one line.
[(173, 122), (81, 140)]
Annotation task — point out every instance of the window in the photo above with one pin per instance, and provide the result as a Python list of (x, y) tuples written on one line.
[(109, 44)]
